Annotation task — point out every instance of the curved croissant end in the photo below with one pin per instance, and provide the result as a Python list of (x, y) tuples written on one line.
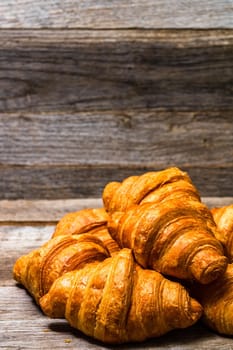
[(217, 301), (161, 217), (223, 218), (92, 221), (134, 189), (116, 301), (37, 270), (81, 221), (174, 238)]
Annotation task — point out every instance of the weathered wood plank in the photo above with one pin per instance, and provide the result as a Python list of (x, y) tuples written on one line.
[(42, 333), (16, 241), (116, 14), (41, 211), (95, 71), (57, 182), (55, 38), (75, 155), (111, 116), (23, 211), (133, 138)]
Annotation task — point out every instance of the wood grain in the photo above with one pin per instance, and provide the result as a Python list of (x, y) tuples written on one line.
[(57, 182), (16, 241), (45, 211), (80, 108), (132, 138), (39, 212), (116, 14), (115, 70)]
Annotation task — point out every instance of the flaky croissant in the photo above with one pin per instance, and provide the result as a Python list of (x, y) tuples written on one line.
[(223, 218), (116, 301), (38, 270), (217, 301), (81, 221), (154, 186), (159, 216), (92, 221)]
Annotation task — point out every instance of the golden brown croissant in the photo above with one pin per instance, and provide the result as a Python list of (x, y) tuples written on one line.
[(217, 301), (81, 221), (40, 268), (149, 187), (160, 216), (92, 221), (223, 217), (117, 301)]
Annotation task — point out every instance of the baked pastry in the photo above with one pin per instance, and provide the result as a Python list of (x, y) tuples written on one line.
[(38, 270), (223, 218), (92, 221), (116, 301), (160, 216), (216, 299), (106, 270)]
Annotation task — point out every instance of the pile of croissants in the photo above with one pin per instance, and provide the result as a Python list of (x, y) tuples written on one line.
[(152, 259)]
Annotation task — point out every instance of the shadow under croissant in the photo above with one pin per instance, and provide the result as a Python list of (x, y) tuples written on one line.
[(30, 298), (194, 335)]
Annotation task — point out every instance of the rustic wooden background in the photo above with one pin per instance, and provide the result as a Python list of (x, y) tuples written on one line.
[(94, 91)]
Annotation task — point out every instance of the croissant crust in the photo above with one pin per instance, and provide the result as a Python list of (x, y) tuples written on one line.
[(40, 268), (153, 259), (116, 301), (223, 218), (160, 216)]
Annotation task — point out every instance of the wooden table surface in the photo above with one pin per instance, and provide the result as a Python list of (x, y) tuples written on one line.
[(25, 225)]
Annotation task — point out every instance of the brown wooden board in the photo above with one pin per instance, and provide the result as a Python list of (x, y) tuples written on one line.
[(116, 14), (81, 181), (48, 71), (39, 212), (80, 108)]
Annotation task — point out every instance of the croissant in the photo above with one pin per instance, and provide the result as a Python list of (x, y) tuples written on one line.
[(116, 301), (92, 221), (149, 187), (216, 299), (160, 216), (223, 217), (38, 270)]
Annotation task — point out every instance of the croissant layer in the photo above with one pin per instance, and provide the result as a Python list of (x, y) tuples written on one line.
[(161, 218), (216, 299), (153, 259), (92, 221), (223, 218), (40, 268), (135, 189), (116, 301)]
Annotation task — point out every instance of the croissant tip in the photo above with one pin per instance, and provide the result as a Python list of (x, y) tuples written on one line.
[(196, 310), (214, 270), (48, 308), (17, 269)]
